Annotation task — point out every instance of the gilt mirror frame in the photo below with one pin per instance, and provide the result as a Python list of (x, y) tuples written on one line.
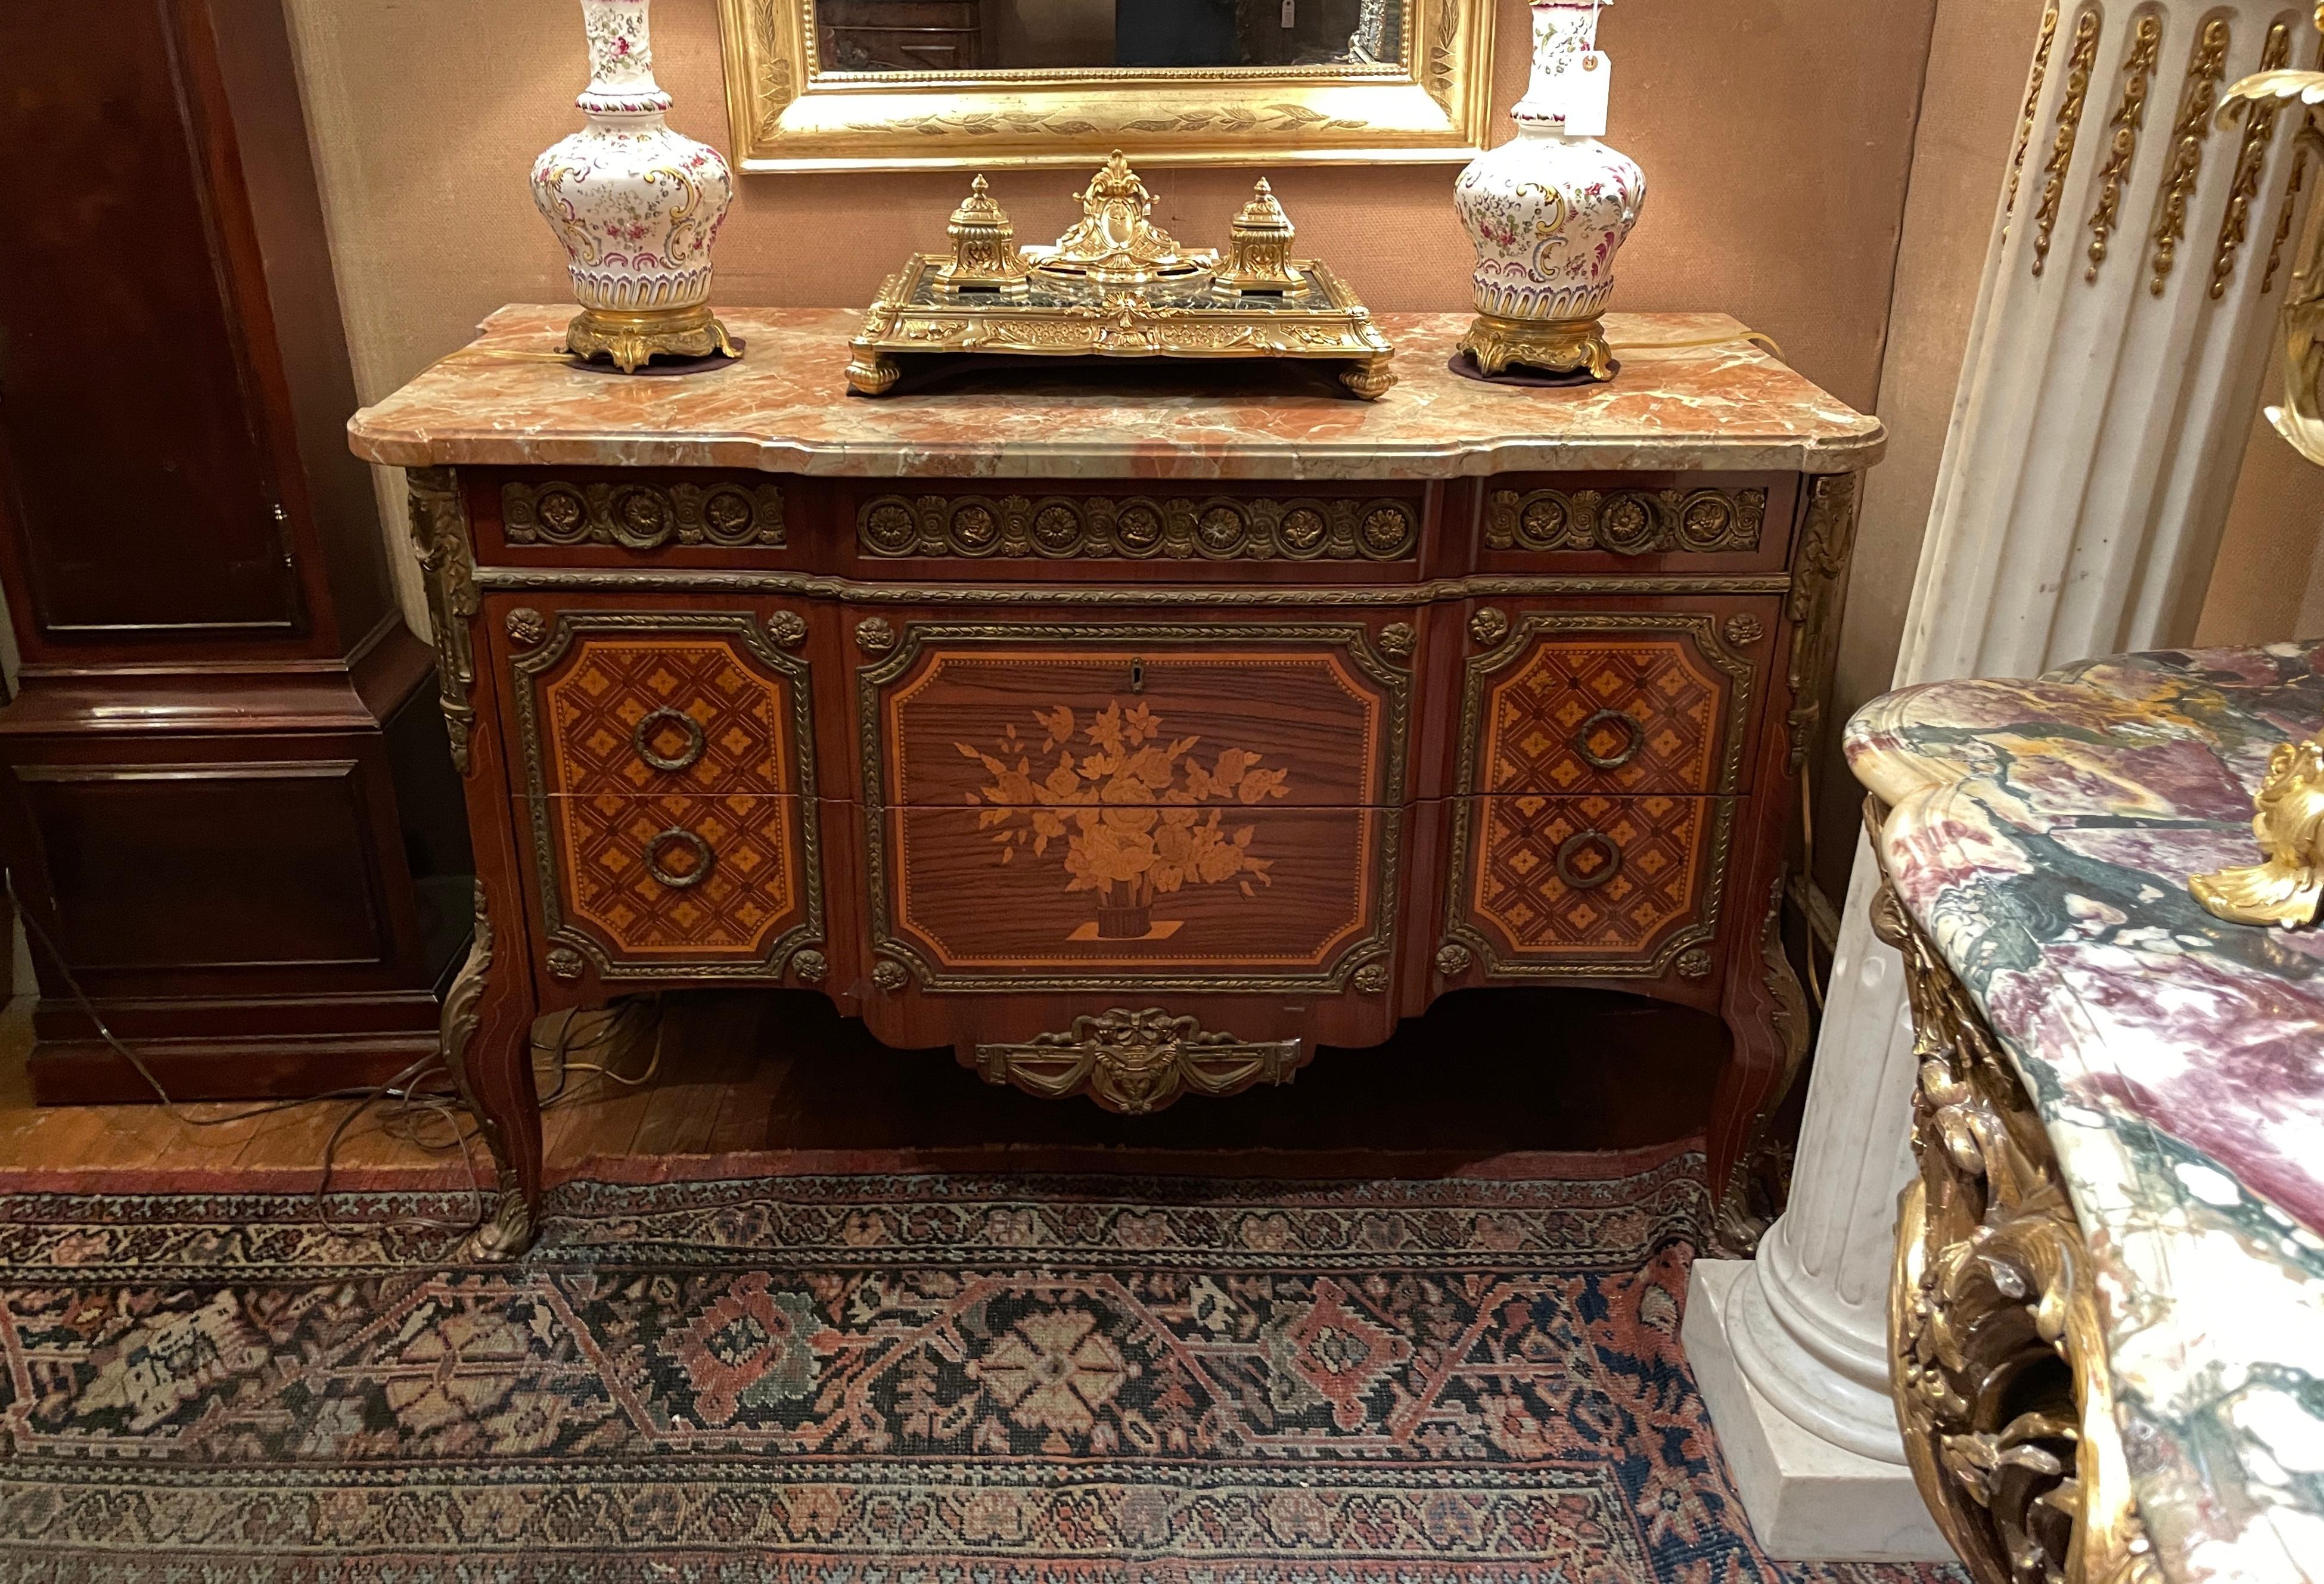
[(787, 112)]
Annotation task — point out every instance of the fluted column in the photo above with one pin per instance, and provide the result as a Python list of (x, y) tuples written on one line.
[(2112, 371)]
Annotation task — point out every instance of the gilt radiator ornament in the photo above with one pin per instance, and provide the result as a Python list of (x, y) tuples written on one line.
[(1548, 210), (2286, 887), (636, 206), (2300, 419)]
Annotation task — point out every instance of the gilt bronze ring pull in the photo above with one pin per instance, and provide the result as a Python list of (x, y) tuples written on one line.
[(1613, 762), (1573, 846), (704, 858), (641, 739)]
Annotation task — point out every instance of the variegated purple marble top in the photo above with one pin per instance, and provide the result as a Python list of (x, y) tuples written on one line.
[(2042, 835)]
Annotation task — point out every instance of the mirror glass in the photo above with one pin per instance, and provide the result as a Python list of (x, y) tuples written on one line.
[(988, 35)]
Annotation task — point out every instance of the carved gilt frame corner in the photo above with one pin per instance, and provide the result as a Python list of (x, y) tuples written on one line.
[(786, 114)]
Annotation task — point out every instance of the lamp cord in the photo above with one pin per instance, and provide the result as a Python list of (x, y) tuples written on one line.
[(436, 1101)]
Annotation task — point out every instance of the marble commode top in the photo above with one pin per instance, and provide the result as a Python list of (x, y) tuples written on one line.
[(1711, 400), (2041, 835)]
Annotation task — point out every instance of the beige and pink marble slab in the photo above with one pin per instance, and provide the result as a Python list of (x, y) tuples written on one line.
[(1692, 394)]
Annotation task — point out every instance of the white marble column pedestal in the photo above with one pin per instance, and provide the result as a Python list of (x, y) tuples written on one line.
[(1789, 1347), (2138, 256)]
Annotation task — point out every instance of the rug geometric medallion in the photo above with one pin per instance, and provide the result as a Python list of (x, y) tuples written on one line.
[(873, 1378)]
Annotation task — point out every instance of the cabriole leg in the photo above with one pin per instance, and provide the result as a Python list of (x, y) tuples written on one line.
[(488, 1048), (1766, 1015)]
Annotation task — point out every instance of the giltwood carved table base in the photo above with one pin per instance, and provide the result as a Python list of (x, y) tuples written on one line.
[(1997, 1359)]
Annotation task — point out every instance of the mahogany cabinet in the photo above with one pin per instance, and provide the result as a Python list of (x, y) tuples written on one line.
[(223, 795)]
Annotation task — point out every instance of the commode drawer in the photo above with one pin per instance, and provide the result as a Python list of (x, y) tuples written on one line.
[(626, 516), (1213, 803), (1565, 700), (1064, 530), (665, 762), (1547, 887), (1633, 522)]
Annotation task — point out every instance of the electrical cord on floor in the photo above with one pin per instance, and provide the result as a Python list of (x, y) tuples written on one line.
[(606, 1033), (40, 938), (422, 1091)]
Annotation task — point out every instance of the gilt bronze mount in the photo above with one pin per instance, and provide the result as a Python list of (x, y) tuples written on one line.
[(2286, 887), (1117, 285), (630, 338), (1559, 347), (1997, 1347)]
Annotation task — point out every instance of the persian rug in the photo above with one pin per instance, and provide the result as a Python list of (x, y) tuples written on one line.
[(867, 1378)]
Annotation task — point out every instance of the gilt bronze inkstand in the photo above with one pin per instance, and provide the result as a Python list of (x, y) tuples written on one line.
[(1118, 285)]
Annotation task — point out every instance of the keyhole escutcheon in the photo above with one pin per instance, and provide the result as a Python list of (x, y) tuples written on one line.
[(1137, 674)]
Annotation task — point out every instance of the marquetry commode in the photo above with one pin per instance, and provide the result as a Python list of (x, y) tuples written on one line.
[(1131, 742)]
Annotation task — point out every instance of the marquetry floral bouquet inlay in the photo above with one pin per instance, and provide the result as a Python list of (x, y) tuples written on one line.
[(1191, 804), (1135, 811)]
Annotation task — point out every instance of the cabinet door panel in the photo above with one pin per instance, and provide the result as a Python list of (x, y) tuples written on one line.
[(146, 508), (166, 866), (1187, 802), (1567, 700), (1593, 886)]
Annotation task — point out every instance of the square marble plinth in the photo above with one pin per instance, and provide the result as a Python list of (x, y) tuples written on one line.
[(1807, 1499)]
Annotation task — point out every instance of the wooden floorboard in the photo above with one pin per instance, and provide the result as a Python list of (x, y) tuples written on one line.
[(753, 1070)]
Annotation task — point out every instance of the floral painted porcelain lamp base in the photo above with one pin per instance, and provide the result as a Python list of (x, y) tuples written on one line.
[(1548, 210), (636, 204)]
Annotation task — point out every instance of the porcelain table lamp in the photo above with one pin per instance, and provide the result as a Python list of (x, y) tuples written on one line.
[(1548, 210), (636, 204)]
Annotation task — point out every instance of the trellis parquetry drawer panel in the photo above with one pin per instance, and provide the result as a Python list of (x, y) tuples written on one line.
[(667, 783)]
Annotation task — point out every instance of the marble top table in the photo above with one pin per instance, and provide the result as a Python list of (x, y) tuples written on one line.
[(2041, 835), (1694, 393)]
